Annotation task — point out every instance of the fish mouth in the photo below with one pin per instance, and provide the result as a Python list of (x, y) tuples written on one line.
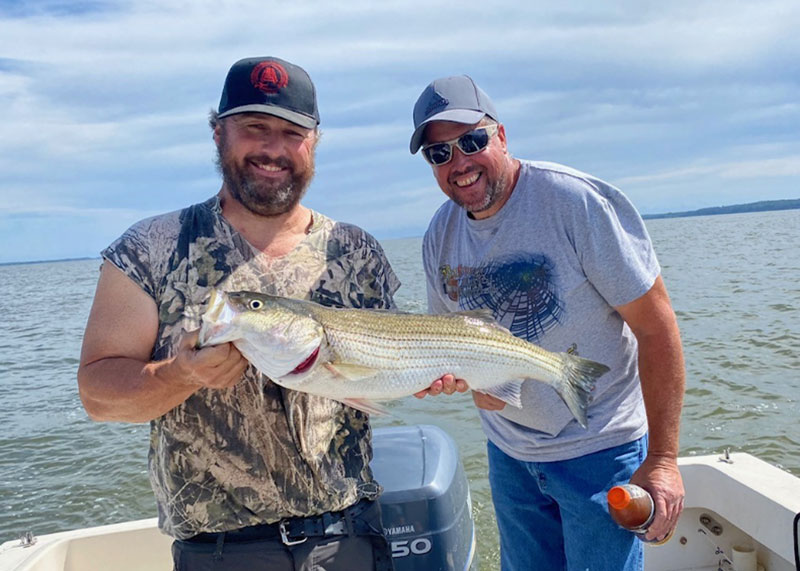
[(307, 364), (217, 322)]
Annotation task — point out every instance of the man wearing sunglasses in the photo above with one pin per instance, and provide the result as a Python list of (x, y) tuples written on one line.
[(563, 260)]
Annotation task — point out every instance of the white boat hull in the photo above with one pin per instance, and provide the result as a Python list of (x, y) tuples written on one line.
[(749, 503)]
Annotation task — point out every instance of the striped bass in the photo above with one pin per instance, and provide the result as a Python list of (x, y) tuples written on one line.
[(358, 356)]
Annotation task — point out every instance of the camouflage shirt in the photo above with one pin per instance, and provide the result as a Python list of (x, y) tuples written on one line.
[(256, 452)]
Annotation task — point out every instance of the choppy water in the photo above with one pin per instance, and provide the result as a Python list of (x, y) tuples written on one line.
[(734, 282)]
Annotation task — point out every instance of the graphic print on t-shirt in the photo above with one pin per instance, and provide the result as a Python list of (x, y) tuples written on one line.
[(520, 291)]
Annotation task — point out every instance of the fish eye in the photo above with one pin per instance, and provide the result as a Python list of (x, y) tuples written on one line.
[(255, 304)]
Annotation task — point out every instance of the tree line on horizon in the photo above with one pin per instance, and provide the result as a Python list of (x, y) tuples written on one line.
[(760, 206)]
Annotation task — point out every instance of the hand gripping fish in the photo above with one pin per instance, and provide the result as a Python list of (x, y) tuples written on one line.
[(358, 356)]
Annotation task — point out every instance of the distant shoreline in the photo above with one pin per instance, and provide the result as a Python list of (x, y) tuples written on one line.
[(761, 206), (28, 263)]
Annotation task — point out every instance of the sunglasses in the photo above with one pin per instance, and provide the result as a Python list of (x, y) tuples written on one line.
[(470, 143)]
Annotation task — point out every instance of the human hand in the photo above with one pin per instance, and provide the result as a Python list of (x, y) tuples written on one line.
[(487, 402), (659, 475), (447, 384), (214, 367)]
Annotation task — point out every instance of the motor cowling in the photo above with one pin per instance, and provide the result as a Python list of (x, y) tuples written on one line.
[(426, 504)]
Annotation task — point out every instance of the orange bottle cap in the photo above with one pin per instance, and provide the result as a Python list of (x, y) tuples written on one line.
[(618, 497)]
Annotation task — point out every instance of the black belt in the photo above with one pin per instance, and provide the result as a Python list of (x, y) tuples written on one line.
[(296, 530)]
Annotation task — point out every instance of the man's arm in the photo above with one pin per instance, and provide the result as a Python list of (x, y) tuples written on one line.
[(663, 378), (116, 379)]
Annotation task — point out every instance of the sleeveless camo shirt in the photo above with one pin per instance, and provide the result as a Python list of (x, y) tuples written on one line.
[(256, 452)]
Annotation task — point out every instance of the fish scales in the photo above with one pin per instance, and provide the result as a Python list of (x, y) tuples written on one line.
[(444, 343), (398, 351)]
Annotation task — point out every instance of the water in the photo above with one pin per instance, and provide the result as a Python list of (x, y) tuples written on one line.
[(733, 281)]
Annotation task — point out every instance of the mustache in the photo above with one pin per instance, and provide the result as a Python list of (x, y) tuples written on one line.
[(280, 162)]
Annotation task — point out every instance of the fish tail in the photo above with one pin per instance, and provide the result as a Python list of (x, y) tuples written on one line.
[(577, 384)]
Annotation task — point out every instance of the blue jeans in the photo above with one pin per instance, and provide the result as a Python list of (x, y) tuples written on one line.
[(553, 515)]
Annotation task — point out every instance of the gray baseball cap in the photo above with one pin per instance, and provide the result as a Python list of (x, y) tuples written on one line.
[(457, 98)]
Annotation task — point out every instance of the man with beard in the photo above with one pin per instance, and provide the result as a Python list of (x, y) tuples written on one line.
[(246, 474), (563, 260)]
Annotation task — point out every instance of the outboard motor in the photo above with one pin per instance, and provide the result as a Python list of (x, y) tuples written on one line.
[(426, 505)]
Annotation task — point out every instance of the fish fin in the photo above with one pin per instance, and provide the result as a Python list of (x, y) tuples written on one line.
[(351, 372), (391, 310), (485, 316), (482, 314), (509, 393), (577, 384), (367, 406)]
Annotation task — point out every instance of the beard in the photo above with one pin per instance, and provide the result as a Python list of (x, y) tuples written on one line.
[(495, 189), (262, 197)]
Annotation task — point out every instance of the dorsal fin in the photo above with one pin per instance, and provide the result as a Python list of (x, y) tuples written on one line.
[(483, 314)]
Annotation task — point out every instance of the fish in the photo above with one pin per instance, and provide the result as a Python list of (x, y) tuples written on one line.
[(363, 356)]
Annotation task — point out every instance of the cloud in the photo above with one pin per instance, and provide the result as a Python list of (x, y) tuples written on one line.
[(681, 104), (766, 168)]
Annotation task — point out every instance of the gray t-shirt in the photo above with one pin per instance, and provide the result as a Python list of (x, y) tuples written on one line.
[(253, 453), (551, 265)]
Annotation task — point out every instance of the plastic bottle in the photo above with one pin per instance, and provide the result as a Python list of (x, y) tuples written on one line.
[(632, 507)]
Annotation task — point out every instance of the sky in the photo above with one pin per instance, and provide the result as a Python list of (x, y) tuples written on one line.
[(682, 105)]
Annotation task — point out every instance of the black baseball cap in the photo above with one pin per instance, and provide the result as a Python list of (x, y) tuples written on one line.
[(273, 86), (457, 98)]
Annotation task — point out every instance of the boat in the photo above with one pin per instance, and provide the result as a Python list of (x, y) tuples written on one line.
[(740, 514)]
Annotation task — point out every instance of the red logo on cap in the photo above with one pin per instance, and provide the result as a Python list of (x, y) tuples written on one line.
[(269, 77)]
